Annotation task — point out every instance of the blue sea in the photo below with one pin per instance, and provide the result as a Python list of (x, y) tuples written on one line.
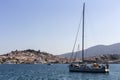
[(52, 72)]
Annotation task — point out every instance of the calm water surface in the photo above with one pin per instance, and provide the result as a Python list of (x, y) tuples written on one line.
[(52, 72)]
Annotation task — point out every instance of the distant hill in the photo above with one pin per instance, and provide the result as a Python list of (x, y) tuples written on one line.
[(98, 50)]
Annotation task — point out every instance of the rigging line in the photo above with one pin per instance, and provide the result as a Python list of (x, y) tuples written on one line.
[(76, 37), (76, 53)]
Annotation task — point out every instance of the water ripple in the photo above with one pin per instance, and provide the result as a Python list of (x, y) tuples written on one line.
[(52, 72)]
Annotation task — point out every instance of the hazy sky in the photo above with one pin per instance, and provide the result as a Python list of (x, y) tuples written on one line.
[(51, 25)]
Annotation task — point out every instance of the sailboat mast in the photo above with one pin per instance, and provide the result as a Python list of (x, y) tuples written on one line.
[(83, 32)]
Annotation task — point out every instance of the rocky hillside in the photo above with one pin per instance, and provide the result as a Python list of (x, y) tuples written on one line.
[(30, 56)]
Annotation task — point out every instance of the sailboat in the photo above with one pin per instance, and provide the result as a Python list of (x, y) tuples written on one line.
[(83, 66)]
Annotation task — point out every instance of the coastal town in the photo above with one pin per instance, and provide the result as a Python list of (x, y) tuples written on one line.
[(31, 56)]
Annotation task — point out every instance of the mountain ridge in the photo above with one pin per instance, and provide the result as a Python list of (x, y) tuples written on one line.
[(97, 50)]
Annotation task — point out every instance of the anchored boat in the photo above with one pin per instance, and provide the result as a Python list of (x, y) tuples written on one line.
[(83, 66)]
